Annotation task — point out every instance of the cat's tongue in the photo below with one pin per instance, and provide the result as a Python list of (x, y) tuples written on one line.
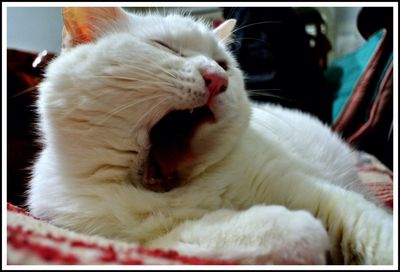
[(170, 146), (161, 175)]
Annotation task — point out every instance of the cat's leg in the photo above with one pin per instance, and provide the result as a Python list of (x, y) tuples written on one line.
[(259, 235), (360, 231)]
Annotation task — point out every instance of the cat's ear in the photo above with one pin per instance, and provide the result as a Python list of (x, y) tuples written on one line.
[(84, 24), (224, 30)]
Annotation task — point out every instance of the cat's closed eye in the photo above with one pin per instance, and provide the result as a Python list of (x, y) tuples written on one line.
[(164, 45), (222, 63)]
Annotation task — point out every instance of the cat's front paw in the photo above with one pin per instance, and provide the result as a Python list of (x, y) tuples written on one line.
[(284, 237), (259, 235)]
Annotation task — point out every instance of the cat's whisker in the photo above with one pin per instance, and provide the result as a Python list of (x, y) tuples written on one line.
[(113, 113), (116, 77), (139, 85), (135, 67), (157, 66), (164, 84), (251, 39), (237, 43), (245, 26), (155, 85), (126, 106), (231, 11), (98, 95), (253, 24), (263, 90), (144, 85), (162, 69), (135, 80), (27, 90), (259, 93), (144, 116)]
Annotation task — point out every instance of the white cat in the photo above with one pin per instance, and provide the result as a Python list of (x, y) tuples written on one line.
[(149, 137)]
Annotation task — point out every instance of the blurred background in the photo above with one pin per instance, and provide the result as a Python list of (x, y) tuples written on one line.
[(335, 63), (37, 28)]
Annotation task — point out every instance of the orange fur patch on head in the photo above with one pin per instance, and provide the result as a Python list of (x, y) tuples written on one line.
[(82, 23)]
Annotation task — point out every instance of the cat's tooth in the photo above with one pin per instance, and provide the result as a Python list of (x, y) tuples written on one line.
[(191, 111), (142, 138)]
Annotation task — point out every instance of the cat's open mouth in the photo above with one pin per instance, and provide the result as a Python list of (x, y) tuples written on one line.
[(170, 140)]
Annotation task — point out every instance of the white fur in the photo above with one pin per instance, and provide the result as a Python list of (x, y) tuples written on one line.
[(97, 104)]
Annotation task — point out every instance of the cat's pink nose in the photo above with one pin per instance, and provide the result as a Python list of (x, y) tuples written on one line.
[(216, 83)]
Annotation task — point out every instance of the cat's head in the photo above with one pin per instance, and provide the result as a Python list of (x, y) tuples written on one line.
[(152, 99)]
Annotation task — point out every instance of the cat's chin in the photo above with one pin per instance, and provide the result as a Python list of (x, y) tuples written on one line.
[(170, 140)]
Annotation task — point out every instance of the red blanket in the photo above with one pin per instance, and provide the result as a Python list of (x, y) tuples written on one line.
[(32, 241)]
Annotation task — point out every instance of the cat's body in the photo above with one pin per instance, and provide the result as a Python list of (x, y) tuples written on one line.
[(98, 106)]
